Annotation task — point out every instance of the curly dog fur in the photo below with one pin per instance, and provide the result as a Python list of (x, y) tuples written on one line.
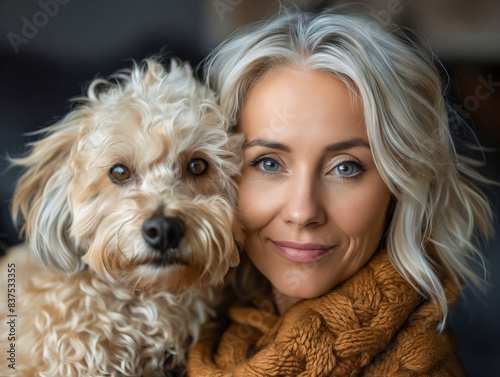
[(128, 211)]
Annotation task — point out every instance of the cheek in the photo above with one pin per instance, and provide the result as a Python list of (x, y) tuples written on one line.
[(92, 200), (87, 186), (258, 204), (362, 211)]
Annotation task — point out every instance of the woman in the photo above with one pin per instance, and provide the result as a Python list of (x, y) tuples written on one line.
[(358, 211)]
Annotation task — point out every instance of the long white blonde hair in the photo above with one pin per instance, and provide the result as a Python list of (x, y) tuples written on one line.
[(437, 205)]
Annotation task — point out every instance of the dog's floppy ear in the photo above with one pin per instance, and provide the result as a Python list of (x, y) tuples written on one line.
[(41, 198)]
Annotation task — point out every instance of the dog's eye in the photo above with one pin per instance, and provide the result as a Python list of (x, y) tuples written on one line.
[(119, 173), (197, 166)]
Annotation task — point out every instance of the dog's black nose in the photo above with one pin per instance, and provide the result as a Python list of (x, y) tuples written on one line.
[(163, 232)]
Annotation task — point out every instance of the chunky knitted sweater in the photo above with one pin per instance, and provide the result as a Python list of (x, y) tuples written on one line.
[(373, 324)]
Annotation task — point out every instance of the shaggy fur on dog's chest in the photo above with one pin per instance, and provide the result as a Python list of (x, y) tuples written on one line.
[(83, 323)]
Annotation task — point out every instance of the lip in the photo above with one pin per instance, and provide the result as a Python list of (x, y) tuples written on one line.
[(302, 252)]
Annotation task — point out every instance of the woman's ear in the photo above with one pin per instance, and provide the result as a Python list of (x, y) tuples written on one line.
[(41, 198)]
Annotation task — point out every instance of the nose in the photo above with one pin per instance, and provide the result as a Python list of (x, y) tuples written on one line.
[(304, 205), (163, 232)]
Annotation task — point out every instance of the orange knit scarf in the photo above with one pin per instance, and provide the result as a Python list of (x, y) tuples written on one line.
[(374, 324)]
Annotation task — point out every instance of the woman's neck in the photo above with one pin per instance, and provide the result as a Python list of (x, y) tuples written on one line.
[(283, 302)]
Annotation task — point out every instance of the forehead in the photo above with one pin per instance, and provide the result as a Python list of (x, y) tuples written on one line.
[(144, 133), (173, 122), (290, 101)]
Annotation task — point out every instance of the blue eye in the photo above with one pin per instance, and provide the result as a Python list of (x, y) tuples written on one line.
[(266, 165), (348, 169), (269, 165)]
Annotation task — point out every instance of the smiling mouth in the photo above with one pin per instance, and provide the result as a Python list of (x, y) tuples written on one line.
[(302, 253)]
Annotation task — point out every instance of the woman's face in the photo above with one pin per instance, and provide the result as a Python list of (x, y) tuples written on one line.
[(313, 203)]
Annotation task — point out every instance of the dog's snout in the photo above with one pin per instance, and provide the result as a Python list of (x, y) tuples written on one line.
[(163, 232)]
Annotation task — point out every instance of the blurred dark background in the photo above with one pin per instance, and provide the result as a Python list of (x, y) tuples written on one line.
[(50, 49)]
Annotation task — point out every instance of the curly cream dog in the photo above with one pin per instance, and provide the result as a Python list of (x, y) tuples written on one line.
[(128, 204)]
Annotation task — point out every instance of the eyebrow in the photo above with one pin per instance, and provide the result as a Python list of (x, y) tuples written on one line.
[(267, 144), (347, 144), (341, 145)]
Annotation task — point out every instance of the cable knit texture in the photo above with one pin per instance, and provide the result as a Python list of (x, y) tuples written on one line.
[(374, 324)]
